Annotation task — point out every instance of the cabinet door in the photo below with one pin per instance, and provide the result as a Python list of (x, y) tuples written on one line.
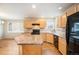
[(59, 21), (71, 10), (63, 21), (31, 49), (44, 36), (77, 5), (50, 38), (62, 46), (42, 23), (27, 24)]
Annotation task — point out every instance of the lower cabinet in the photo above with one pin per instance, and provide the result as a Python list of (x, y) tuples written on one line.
[(30, 49), (49, 38), (62, 46), (44, 36)]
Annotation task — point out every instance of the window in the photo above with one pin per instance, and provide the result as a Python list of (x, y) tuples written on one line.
[(15, 26), (10, 26)]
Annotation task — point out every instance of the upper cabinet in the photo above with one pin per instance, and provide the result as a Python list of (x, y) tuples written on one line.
[(77, 5), (63, 20), (71, 10), (42, 23), (59, 21), (28, 23)]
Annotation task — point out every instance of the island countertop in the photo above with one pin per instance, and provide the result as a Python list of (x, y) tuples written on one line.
[(27, 38)]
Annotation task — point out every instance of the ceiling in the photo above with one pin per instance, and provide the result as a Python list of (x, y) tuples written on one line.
[(21, 10)]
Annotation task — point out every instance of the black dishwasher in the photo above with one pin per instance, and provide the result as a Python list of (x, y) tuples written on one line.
[(56, 41)]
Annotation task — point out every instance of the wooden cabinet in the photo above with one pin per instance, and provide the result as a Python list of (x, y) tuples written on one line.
[(59, 19), (50, 38), (64, 20), (77, 6), (30, 49), (42, 23), (27, 24), (44, 36), (71, 10), (62, 46)]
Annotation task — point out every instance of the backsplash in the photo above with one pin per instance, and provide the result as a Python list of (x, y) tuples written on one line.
[(61, 32)]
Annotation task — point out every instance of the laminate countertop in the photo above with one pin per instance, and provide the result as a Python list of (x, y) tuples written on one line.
[(27, 38)]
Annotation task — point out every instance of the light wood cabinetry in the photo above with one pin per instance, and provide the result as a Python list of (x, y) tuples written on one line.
[(27, 24), (44, 36), (77, 6), (63, 20), (50, 38), (59, 19), (71, 10), (42, 23), (62, 46), (30, 49)]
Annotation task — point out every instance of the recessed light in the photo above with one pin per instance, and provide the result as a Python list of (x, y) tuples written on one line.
[(33, 6), (60, 8)]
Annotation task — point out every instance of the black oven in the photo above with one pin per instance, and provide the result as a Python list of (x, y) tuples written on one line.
[(36, 32)]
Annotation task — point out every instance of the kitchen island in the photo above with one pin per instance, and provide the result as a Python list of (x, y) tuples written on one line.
[(29, 44)]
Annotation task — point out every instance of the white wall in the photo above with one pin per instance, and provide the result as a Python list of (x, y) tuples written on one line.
[(17, 28), (1, 30)]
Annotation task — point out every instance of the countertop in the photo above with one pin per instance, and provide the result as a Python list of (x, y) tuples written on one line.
[(62, 35), (29, 39)]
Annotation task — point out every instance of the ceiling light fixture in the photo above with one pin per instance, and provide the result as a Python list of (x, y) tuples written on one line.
[(60, 8), (33, 6)]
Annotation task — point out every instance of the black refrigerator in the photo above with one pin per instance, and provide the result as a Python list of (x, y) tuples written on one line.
[(72, 34)]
